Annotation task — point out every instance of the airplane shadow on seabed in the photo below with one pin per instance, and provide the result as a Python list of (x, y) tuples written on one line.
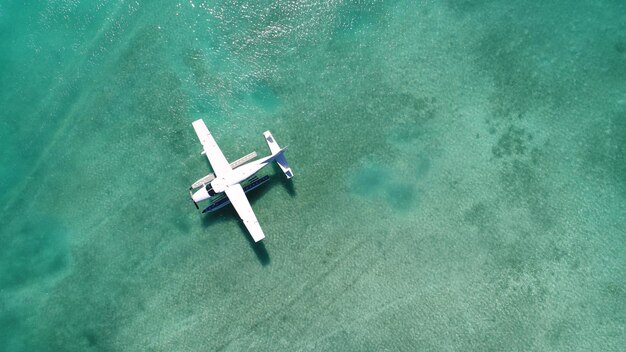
[(229, 214)]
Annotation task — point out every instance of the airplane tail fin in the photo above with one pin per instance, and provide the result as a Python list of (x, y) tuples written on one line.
[(277, 151)]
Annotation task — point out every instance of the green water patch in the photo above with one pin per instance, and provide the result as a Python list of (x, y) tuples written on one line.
[(209, 88), (369, 180), (16, 159), (605, 148), (522, 163), (518, 261), (398, 186), (139, 95), (402, 195), (226, 87), (256, 98), (468, 7), (202, 72), (482, 217), (513, 142), (408, 116), (394, 171), (422, 166), (13, 327), (520, 57), (34, 248), (540, 276), (352, 17), (615, 56), (264, 95), (523, 185)]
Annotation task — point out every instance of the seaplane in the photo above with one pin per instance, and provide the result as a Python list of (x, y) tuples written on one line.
[(229, 182)]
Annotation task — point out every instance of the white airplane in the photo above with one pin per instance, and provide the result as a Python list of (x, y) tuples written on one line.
[(226, 178)]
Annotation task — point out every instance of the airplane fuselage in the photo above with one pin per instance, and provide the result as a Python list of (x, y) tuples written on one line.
[(236, 176)]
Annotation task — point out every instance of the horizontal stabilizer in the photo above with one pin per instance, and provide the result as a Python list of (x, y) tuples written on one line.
[(282, 162), (278, 153)]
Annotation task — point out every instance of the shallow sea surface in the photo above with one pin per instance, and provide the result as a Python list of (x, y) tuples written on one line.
[(460, 175)]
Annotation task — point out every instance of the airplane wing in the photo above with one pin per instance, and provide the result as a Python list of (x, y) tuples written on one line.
[(213, 152), (238, 198)]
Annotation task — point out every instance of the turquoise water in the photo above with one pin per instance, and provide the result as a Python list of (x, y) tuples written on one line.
[(460, 176)]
